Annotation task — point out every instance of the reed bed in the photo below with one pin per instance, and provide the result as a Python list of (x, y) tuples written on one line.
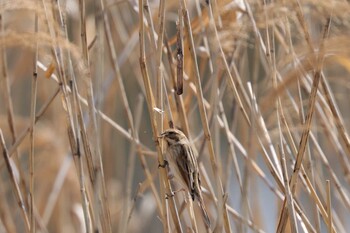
[(260, 88)]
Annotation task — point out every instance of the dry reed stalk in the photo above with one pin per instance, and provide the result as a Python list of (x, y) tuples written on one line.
[(275, 168), (221, 207), (16, 189), (319, 150), (160, 82), (324, 160), (125, 102), (151, 105), (95, 156), (329, 207), (247, 178), (227, 70), (307, 124), (31, 133), (105, 218), (288, 194), (178, 98), (70, 113), (10, 112)]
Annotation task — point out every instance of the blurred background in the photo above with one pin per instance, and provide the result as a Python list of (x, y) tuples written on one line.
[(80, 128)]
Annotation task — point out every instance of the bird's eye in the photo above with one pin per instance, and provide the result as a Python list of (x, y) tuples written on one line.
[(173, 136)]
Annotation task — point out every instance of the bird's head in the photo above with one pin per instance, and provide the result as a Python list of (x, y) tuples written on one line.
[(173, 136)]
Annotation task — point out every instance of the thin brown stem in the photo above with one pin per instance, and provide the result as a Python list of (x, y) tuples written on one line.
[(16, 189)]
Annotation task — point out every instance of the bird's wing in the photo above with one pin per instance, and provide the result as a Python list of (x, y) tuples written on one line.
[(186, 164)]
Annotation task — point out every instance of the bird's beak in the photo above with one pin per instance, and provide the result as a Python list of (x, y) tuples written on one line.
[(162, 135)]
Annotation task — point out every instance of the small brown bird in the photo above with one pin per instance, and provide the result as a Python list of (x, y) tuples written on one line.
[(183, 163)]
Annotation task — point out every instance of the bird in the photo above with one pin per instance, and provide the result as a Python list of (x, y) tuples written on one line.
[(184, 166)]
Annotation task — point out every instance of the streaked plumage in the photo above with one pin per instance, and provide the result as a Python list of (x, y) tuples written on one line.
[(183, 163)]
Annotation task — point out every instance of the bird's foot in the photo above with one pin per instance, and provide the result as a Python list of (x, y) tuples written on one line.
[(165, 164)]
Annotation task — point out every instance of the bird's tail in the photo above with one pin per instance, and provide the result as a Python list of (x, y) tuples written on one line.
[(204, 212)]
